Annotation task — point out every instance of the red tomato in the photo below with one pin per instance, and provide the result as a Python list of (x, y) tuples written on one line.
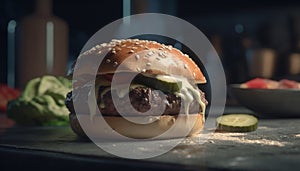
[(284, 83), (257, 83), (7, 94)]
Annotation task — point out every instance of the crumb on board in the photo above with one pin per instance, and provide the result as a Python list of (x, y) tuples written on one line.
[(241, 138)]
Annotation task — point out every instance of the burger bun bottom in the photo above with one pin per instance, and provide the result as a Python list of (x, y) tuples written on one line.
[(162, 127)]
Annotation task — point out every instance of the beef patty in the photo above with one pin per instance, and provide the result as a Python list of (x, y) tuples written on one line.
[(142, 100)]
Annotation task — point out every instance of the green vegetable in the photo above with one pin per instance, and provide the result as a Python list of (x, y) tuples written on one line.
[(42, 102), (237, 123), (161, 82), (31, 89)]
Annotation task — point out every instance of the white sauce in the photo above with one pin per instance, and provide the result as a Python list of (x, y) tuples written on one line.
[(188, 92), (93, 103)]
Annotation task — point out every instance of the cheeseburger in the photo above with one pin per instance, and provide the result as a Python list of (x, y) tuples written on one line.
[(163, 87)]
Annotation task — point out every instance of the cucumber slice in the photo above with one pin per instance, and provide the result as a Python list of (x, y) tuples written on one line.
[(237, 123), (164, 83)]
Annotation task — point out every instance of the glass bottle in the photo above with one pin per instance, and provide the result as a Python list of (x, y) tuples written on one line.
[(43, 44)]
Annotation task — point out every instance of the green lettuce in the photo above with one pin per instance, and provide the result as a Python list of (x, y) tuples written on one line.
[(42, 102)]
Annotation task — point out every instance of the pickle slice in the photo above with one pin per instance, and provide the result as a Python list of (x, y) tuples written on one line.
[(164, 83), (237, 123)]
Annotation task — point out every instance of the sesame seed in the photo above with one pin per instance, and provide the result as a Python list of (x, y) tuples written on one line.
[(194, 74), (98, 46), (123, 45), (185, 66), (147, 48), (134, 47), (143, 70), (137, 57), (108, 60), (99, 52), (150, 53), (160, 48), (109, 49), (160, 54), (186, 55), (131, 51), (103, 44), (158, 59), (115, 64), (113, 51), (148, 64), (117, 41), (136, 43), (138, 69)]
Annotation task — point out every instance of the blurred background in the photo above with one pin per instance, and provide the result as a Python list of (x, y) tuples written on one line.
[(253, 38)]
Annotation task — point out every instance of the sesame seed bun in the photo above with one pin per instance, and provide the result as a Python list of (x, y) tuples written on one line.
[(141, 56)]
